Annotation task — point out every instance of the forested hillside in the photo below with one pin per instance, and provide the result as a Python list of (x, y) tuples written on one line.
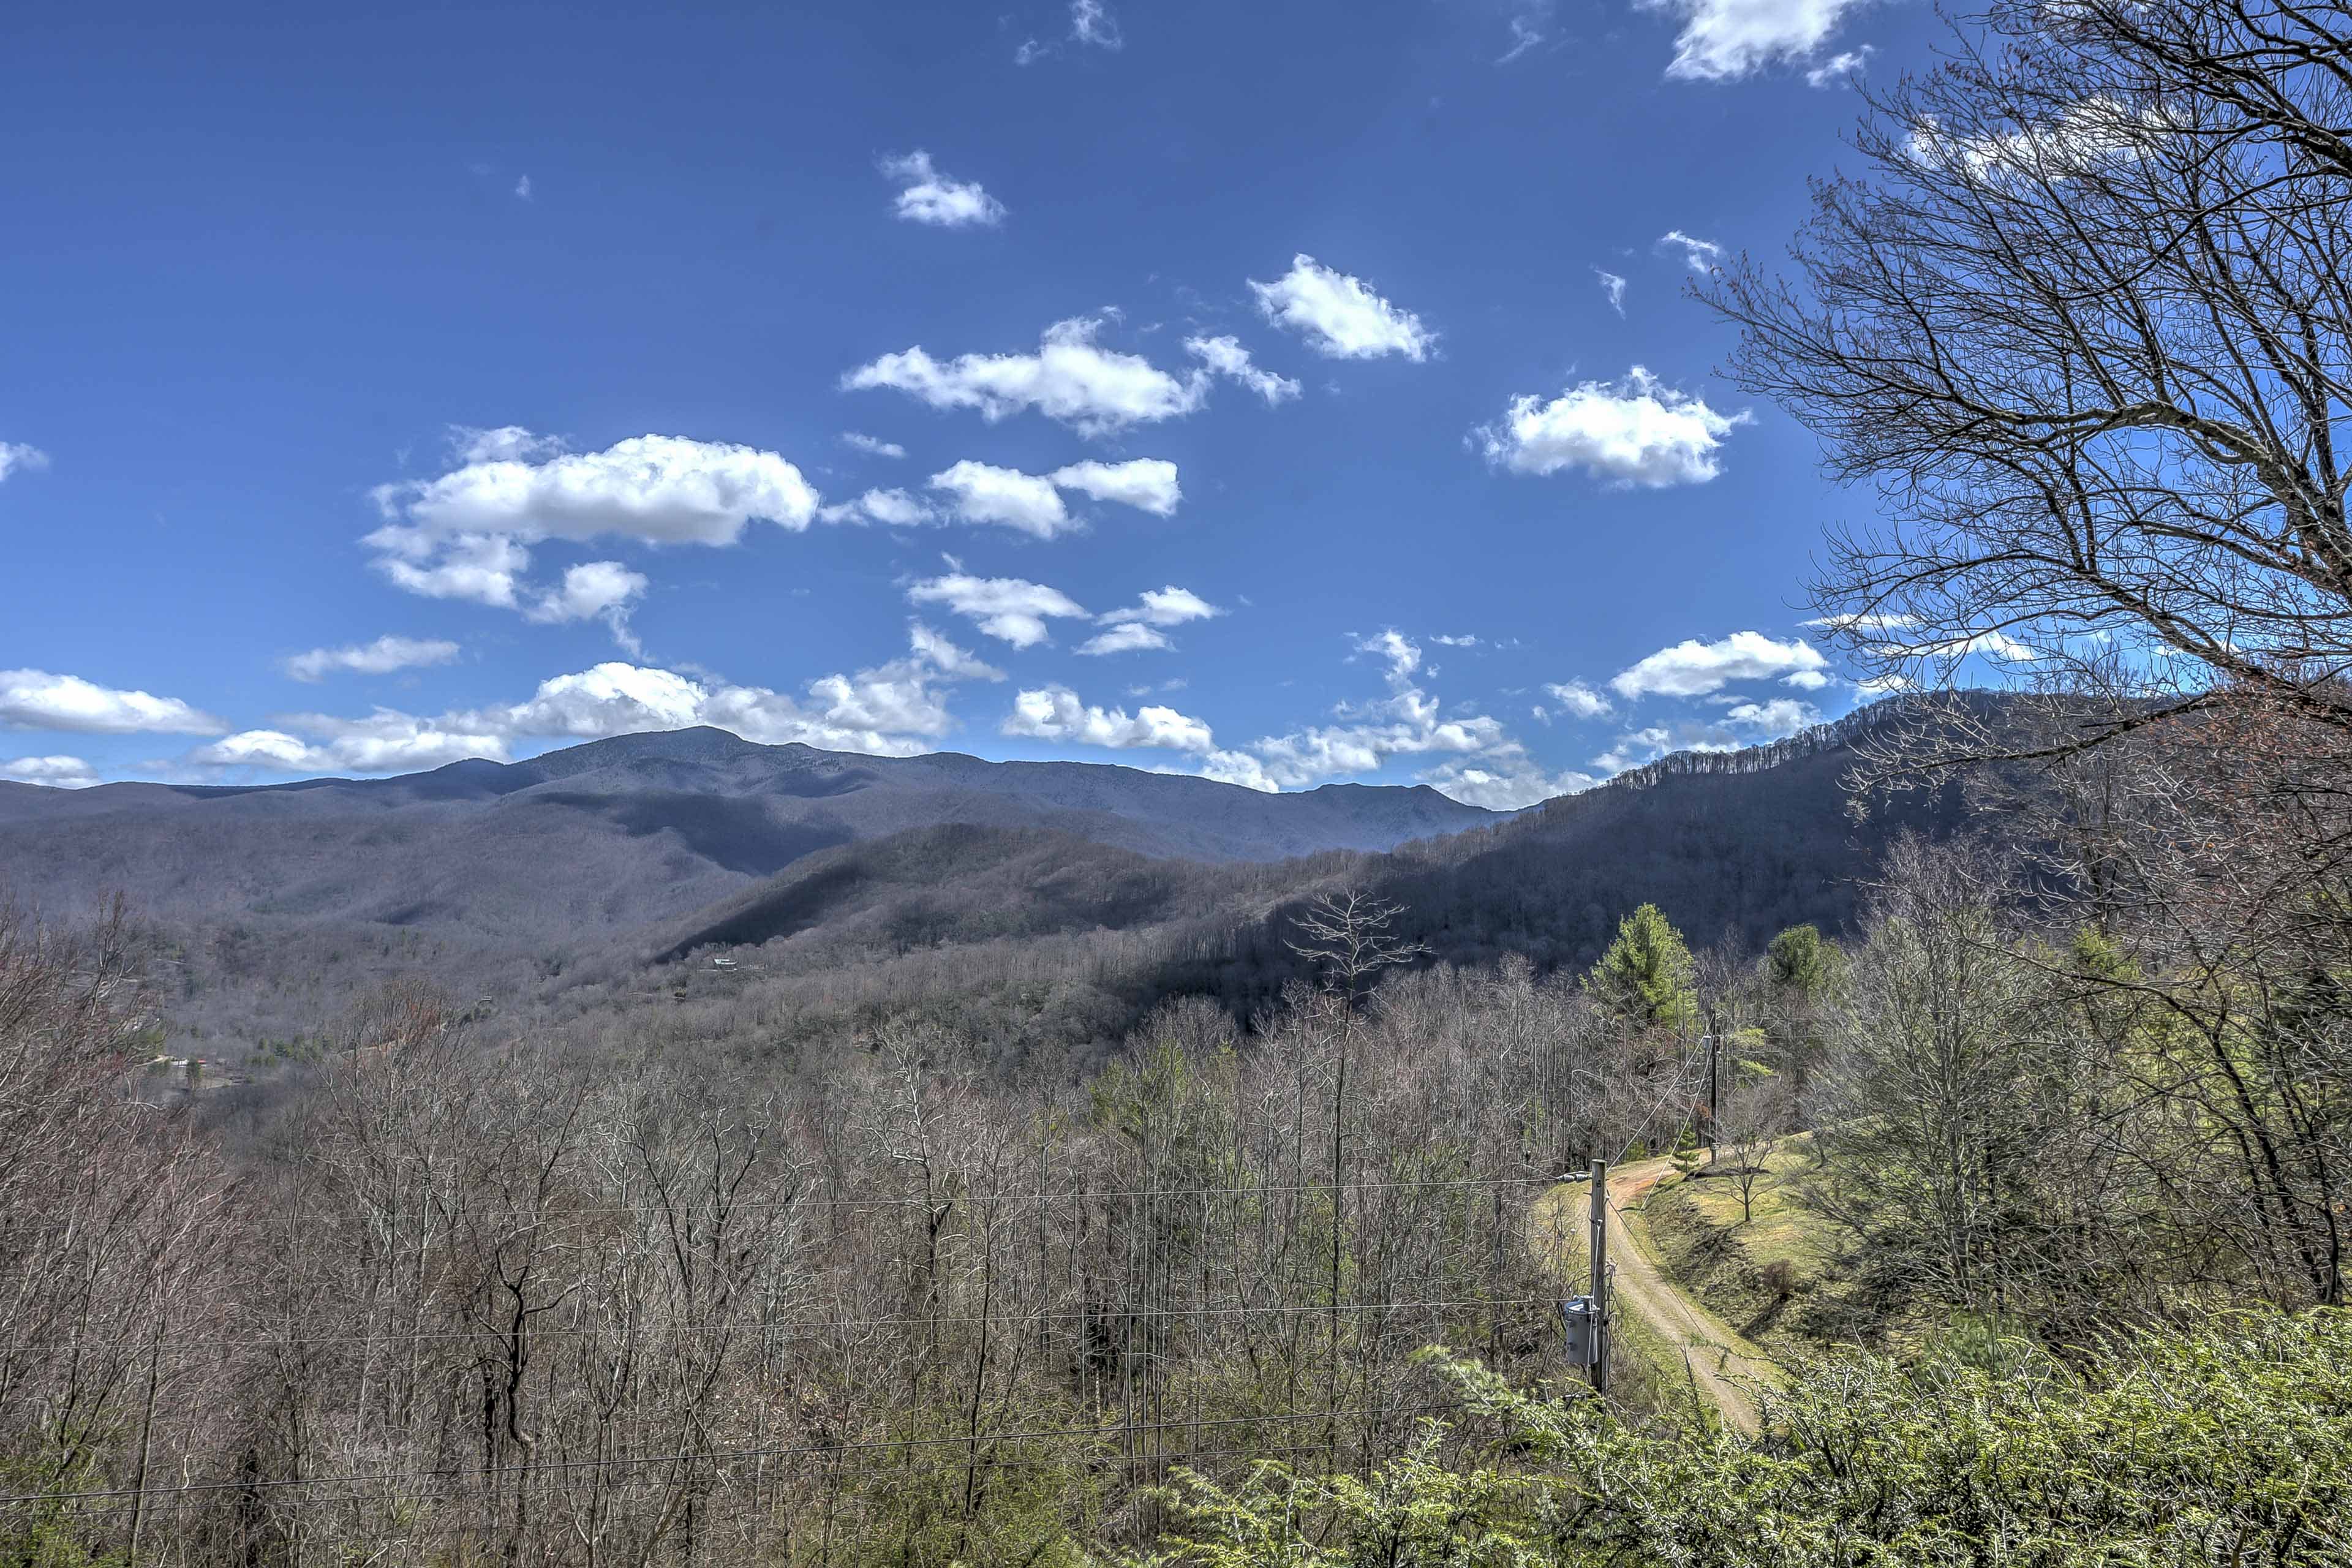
[(1925, 1142), (281, 908), (616, 835), (1042, 943)]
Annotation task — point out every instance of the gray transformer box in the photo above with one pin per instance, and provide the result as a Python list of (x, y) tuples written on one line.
[(1584, 1330)]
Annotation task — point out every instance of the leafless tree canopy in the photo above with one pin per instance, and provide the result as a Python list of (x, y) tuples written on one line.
[(2082, 319), (460, 1295)]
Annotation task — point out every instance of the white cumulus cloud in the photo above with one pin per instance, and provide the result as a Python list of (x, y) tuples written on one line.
[(1168, 606), (656, 489), (1770, 720), (1148, 484), (272, 749), (503, 444), (888, 711), (1057, 713), (483, 568), (1071, 379), (17, 458), (2090, 132), (872, 445), (1694, 669), (468, 534), (1880, 633), (1633, 432), (980, 492), (1575, 697), (1340, 316), (895, 708), (1226, 355), (1009, 609), (893, 507), (1138, 627), (36, 700), (1838, 68), (382, 656), (1504, 779), (931, 197), (984, 494), (1647, 745), (1238, 768), (1131, 636), (1991, 644), (1404, 655), (1725, 40), (385, 742), (951, 662), (590, 590), (1408, 722), (1741, 724), (57, 773)]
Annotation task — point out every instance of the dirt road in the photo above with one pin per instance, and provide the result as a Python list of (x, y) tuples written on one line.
[(1721, 1365)]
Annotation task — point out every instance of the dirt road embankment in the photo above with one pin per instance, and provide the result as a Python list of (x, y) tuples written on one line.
[(1723, 1368)]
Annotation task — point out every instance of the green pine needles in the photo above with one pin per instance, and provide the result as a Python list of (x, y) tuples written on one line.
[(2228, 1443), (1646, 977)]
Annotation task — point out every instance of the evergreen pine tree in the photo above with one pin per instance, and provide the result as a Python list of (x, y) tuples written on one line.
[(1645, 977)]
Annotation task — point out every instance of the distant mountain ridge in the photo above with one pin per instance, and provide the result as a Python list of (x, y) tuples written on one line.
[(1097, 891), (627, 831)]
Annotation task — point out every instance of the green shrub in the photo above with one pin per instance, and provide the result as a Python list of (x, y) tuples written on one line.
[(2229, 1444)]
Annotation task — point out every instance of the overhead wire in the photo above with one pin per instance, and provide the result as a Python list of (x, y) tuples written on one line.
[(1061, 1194), (810, 1325), (817, 1450)]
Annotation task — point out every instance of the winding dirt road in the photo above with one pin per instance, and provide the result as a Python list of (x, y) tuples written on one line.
[(1721, 1366)]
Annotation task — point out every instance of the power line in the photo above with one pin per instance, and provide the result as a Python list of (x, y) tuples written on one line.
[(1065, 1434), (748, 1508), (1080, 1194), (754, 1327), (123, 1498)]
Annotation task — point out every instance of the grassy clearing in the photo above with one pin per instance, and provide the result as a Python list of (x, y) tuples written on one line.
[(1780, 1278)]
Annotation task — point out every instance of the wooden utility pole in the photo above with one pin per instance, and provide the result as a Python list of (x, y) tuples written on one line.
[(1712, 1048), (1601, 1276), (146, 1431)]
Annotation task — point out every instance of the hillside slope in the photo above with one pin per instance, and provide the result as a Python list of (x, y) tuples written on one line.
[(1732, 847)]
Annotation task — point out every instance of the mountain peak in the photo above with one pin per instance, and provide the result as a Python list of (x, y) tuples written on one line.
[(697, 743)]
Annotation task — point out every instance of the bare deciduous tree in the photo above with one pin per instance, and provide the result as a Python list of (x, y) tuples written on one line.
[(1755, 1112), (113, 1226), (2086, 327)]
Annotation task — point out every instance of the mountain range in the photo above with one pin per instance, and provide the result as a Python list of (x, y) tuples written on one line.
[(625, 832), (584, 867)]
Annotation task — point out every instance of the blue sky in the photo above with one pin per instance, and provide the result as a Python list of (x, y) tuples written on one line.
[(1232, 389)]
